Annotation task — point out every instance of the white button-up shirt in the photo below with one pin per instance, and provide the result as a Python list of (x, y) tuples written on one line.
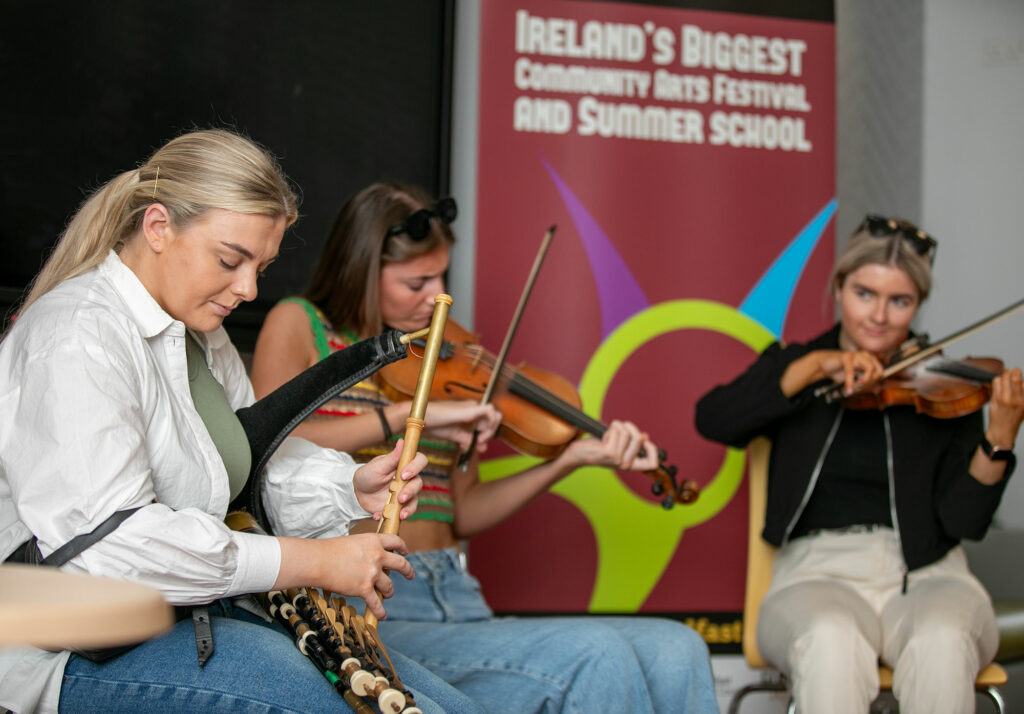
[(97, 417)]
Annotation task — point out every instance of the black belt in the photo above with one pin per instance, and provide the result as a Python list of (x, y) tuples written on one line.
[(854, 528)]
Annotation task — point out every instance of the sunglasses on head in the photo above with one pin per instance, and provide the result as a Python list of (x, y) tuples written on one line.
[(417, 226), (882, 227)]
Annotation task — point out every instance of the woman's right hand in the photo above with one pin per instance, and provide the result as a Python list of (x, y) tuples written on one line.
[(854, 370), (456, 421), (353, 565)]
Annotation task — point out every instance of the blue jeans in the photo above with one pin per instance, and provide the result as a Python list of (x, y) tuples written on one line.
[(255, 667), (522, 665)]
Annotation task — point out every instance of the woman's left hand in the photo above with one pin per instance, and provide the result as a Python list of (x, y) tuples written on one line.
[(618, 449), (373, 478), (1006, 408)]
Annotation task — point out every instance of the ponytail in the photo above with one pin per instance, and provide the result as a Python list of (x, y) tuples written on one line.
[(189, 175)]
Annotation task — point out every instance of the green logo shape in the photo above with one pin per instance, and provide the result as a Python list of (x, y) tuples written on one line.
[(635, 537)]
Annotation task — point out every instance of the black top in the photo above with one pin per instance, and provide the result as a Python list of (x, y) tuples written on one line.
[(853, 487), (937, 502)]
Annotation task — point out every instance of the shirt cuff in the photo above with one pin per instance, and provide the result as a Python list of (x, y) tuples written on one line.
[(259, 563)]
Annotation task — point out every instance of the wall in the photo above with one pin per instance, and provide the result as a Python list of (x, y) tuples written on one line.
[(930, 96), (972, 159)]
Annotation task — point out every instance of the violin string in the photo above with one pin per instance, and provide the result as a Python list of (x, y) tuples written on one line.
[(524, 387), (528, 389)]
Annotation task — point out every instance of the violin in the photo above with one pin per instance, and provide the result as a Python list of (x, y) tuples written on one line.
[(540, 410), (935, 386)]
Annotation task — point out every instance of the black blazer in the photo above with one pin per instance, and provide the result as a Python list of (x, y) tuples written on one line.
[(938, 502)]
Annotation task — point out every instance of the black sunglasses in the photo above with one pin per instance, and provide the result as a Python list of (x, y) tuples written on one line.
[(882, 227), (417, 226)]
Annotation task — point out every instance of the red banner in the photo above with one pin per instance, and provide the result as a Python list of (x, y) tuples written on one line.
[(687, 159)]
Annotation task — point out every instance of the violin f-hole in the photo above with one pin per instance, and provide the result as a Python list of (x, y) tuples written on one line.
[(451, 387)]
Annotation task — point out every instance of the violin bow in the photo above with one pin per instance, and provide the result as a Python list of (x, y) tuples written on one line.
[(831, 392), (499, 361)]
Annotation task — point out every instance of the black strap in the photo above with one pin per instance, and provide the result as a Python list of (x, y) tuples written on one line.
[(25, 554), (203, 632), (384, 426), (268, 421), (79, 543), (29, 553)]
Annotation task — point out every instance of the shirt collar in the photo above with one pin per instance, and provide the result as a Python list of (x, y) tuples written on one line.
[(143, 309), (147, 313)]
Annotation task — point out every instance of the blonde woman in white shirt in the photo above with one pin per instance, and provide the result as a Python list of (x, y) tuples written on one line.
[(97, 388)]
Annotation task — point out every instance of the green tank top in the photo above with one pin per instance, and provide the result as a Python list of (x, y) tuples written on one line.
[(212, 404)]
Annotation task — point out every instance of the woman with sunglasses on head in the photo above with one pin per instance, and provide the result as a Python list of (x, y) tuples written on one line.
[(867, 507), (383, 263), (119, 388)]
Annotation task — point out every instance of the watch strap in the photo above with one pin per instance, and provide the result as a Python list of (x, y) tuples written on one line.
[(997, 454)]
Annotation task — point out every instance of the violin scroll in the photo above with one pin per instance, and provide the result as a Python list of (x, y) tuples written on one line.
[(665, 485)]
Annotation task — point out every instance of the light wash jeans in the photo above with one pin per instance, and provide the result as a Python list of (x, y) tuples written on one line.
[(255, 667), (523, 665)]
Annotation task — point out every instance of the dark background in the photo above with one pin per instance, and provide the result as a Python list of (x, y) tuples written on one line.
[(344, 93)]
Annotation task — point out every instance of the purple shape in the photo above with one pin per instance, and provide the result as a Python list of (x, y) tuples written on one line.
[(618, 291)]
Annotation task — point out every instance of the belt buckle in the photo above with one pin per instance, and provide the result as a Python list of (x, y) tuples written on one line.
[(853, 529), (860, 528)]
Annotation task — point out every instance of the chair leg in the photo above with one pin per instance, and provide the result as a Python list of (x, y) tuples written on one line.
[(991, 692), (783, 686), (734, 705), (884, 704), (997, 698)]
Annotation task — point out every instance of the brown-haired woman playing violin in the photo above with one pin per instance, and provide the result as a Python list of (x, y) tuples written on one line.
[(868, 507), (383, 263)]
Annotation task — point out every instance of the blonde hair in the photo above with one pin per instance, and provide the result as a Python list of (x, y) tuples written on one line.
[(189, 175), (865, 248)]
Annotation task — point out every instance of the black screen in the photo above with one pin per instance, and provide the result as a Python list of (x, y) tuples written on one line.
[(344, 93)]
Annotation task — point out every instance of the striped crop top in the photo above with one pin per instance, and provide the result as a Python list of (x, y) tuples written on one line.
[(435, 501)]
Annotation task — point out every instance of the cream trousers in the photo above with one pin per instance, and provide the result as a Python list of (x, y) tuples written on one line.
[(836, 606)]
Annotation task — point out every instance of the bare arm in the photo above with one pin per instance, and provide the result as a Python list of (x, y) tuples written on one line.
[(853, 369), (453, 420), (483, 505), (285, 348)]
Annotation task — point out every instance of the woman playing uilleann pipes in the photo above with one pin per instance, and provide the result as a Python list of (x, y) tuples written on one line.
[(119, 388), (383, 263)]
